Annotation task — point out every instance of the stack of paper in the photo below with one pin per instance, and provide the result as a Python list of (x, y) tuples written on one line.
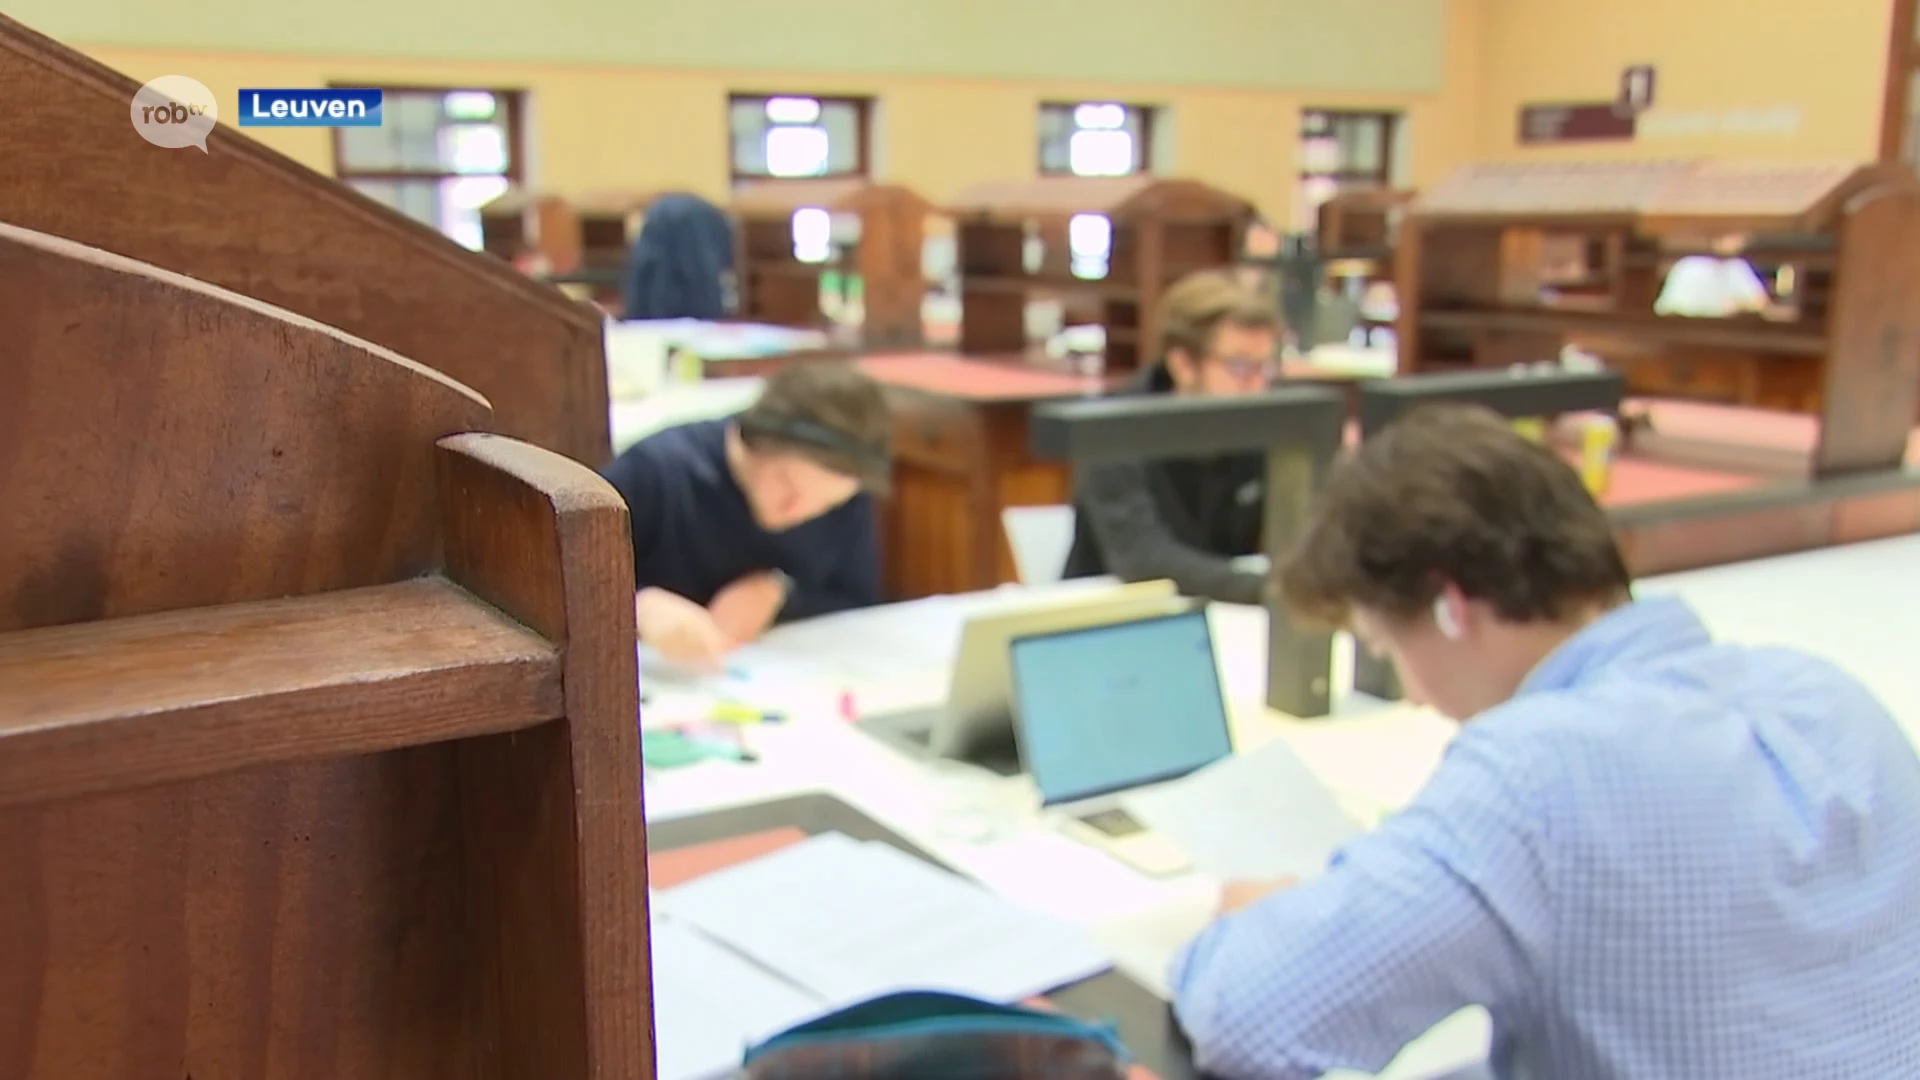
[(710, 1003), (845, 921), (1249, 817)]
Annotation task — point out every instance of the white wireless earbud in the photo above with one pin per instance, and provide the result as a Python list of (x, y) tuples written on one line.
[(1444, 621)]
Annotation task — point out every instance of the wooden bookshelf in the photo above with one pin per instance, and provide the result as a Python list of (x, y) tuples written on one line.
[(1161, 230), (579, 243), (1505, 264), (776, 287)]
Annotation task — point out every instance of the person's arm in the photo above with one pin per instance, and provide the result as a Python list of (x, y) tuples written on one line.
[(1139, 547), (1447, 905), (634, 475), (845, 577)]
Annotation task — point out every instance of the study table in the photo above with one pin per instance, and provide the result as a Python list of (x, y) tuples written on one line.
[(1374, 756)]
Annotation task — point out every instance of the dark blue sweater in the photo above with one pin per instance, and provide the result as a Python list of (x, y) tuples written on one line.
[(694, 534)]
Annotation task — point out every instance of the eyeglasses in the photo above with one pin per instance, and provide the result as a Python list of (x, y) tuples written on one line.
[(1247, 368)]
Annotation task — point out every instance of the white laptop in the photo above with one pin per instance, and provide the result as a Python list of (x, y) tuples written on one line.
[(1101, 712)]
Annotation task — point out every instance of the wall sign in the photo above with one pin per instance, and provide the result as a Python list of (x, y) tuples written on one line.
[(1574, 122)]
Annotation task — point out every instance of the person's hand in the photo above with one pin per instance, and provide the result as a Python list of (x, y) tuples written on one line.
[(679, 629), (747, 607), (1236, 895)]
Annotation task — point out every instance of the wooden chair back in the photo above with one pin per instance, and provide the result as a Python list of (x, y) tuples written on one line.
[(318, 753)]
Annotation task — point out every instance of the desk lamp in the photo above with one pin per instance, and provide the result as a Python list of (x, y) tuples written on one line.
[(1299, 430), (1520, 394)]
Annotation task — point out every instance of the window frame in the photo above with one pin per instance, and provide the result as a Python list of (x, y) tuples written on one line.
[(1903, 63), (1390, 121), (862, 126), (1142, 152), (515, 121)]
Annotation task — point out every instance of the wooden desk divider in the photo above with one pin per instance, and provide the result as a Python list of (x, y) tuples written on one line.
[(1506, 263), (888, 255), (1159, 230), (246, 218), (581, 241), (317, 740), (1300, 431), (1525, 394)]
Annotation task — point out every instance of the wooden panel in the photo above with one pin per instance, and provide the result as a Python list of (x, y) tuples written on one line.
[(1687, 543), (179, 460), (296, 923), (958, 466), (936, 433), (245, 218), (189, 688), (555, 821), (118, 451), (1873, 367), (1876, 517)]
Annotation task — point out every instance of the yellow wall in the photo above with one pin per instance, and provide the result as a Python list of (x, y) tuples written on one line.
[(1824, 58), (626, 128), (1261, 44), (646, 126)]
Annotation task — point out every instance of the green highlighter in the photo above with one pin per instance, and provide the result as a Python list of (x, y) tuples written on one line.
[(677, 749)]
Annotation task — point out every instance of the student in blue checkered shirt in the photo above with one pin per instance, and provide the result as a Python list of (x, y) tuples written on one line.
[(1648, 855)]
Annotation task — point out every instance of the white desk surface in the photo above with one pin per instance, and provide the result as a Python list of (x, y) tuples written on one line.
[(1858, 606)]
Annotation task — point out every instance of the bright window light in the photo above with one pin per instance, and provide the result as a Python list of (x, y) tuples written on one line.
[(474, 148), (460, 202), (796, 151), (469, 105), (1089, 245), (812, 235), (793, 110), (1100, 153), (1100, 117)]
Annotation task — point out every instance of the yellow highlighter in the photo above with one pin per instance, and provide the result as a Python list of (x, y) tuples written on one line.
[(1532, 428), (728, 712), (1599, 440)]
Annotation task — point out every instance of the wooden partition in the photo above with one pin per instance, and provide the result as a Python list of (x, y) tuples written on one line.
[(317, 741), (1157, 231), (245, 218), (580, 244), (1504, 264), (887, 255)]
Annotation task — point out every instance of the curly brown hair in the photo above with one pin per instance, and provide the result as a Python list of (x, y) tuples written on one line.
[(1451, 493)]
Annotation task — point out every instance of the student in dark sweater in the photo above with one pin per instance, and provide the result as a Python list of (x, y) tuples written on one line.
[(1187, 519), (758, 518)]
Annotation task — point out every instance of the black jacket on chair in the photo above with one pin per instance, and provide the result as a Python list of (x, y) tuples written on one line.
[(1184, 519), (681, 264)]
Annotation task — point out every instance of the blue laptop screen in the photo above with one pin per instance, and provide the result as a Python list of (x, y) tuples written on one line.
[(1108, 708)]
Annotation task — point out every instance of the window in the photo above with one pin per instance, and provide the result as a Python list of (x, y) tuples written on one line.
[(1900, 113), (1341, 151), (1095, 139), (779, 136), (437, 156)]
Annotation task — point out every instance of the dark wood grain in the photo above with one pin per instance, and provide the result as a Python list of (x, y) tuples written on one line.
[(555, 826), (165, 444), (278, 800), (246, 218), (176, 695)]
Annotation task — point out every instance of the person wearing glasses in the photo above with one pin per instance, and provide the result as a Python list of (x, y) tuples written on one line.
[(1194, 521)]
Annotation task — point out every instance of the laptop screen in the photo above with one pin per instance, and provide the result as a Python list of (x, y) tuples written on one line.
[(1107, 708)]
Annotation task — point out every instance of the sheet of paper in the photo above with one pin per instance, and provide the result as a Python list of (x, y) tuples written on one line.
[(710, 1003), (1249, 817), (850, 920)]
